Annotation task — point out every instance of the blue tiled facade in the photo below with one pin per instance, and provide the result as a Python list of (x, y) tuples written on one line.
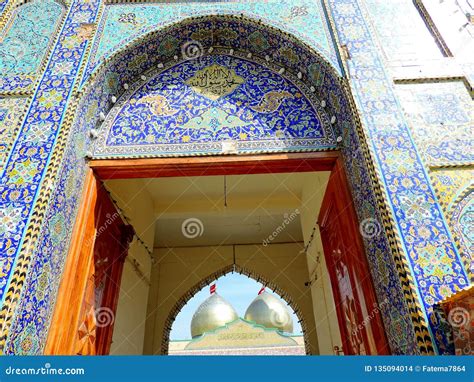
[(274, 75)]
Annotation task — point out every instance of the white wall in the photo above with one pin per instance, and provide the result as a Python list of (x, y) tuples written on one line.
[(129, 327), (321, 292)]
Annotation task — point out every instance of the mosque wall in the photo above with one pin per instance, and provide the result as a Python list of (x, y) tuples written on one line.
[(386, 72), (441, 118), (423, 49), (178, 273), (427, 53)]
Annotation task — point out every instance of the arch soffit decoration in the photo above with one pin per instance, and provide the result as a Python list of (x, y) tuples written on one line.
[(183, 300), (159, 50)]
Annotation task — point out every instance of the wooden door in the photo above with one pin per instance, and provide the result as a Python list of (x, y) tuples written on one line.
[(357, 310), (84, 317)]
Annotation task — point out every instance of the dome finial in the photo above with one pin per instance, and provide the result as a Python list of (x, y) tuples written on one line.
[(213, 288)]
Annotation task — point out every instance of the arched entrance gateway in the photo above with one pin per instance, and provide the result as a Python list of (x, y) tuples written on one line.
[(220, 100), (302, 314)]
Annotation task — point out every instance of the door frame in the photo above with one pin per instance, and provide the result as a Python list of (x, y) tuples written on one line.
[(106, 169), (68, 311), (353, 243), (65, 319), (66, 314)]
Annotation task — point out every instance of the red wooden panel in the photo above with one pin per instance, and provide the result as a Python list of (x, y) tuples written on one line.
[(356, 305)]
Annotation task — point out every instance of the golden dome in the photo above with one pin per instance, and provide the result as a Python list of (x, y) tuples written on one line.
[(271, 312), (213, 313)]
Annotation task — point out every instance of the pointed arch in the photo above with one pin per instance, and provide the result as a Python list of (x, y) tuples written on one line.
[(184, 299), (167, 47)]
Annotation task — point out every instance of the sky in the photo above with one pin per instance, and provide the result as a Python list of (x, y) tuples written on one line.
[(238, 290)]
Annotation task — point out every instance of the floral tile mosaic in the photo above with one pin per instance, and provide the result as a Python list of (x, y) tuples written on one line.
[(20, 59), (11, 110), (441, 119), (194, 106), (24, 171), (122, 23), (433, 261), (455, 189)]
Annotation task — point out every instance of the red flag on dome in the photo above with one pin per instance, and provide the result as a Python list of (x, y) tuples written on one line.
[(213, 288), (261, 291)]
